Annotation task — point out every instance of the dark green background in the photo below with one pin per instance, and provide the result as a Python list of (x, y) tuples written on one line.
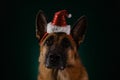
[(21, 50)]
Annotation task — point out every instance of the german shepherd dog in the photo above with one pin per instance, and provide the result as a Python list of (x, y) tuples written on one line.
[(59, 58)]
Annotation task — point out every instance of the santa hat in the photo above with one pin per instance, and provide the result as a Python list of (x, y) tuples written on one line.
[(58, 23)]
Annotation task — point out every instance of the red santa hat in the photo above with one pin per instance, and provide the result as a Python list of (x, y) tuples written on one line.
[(58, 23)]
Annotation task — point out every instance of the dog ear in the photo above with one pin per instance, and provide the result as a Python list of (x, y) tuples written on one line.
[(41, 24), (79, 29)]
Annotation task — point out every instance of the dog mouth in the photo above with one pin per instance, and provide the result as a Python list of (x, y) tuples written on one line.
[(55, 61)]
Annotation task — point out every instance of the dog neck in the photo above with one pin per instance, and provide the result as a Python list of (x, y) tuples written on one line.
[(66, 74)]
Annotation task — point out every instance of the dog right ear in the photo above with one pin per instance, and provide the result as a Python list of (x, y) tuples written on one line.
[(79, 29), (41, 24)]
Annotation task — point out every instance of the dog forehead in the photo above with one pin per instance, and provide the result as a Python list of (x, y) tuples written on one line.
[(57, 37)]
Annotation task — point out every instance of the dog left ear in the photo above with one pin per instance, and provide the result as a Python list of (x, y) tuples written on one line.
[(79, 29), (41, 24)]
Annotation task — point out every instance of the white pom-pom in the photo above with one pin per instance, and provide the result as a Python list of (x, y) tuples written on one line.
[(70, 15)]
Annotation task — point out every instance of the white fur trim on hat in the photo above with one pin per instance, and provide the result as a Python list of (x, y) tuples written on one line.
[(53, 28)]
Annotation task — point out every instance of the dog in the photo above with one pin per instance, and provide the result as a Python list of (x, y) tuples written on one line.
[(59, 58)]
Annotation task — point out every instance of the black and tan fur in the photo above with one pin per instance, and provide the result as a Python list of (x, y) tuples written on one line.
[(74, 69)]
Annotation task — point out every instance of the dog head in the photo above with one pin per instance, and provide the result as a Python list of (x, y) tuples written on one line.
[(58, 50)]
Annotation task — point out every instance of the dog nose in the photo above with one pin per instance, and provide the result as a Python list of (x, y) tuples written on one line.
[(55, 61)]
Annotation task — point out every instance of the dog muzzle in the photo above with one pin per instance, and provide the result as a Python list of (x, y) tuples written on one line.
[(56, 60)]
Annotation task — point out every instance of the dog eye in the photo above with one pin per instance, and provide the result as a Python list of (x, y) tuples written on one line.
[(65, 42), (50, 40)]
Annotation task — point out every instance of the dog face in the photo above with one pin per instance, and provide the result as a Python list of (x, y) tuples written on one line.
[(59, 50)]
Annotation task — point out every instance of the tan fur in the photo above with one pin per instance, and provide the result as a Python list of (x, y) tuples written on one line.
[(74, 70)]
